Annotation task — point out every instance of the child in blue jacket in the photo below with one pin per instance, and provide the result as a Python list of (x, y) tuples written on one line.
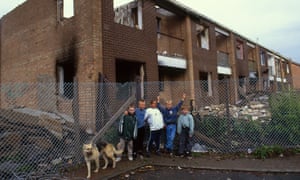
[(185, 129), (170, 115)]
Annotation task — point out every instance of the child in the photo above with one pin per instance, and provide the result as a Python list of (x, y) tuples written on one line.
[(185, 129), (170, 116), (138, 142), (128, 132), (155, 120)]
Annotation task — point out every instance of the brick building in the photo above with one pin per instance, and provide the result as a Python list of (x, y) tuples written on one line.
[(62, 41)]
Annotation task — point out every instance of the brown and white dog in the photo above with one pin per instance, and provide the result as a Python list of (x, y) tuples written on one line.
[(92, 152)]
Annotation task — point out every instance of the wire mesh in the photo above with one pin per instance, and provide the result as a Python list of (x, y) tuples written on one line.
[(43, 125)]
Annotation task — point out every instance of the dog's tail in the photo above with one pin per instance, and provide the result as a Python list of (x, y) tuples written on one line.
[(117, 152)]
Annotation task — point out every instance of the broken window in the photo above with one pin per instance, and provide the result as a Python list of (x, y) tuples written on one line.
[(262, 58), (65, 9), (158, 26), (266, 84), (128, 13), (202, 36), (68, 8), (278, 67), (65, 75), (287, 69), (239, 50), (206, 83)]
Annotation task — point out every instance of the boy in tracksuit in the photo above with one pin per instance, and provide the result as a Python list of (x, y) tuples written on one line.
[(170, 116), (185, 129), (155, 120), (128, 132)]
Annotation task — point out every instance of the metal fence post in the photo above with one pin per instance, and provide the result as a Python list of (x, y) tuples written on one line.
[(75, 109), (229, 121), (100, 103)]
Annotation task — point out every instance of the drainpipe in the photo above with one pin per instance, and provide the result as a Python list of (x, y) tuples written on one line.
[(189, 55), (233, 67), (258, 65)]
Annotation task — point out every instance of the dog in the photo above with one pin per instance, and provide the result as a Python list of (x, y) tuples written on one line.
[(92, 152)]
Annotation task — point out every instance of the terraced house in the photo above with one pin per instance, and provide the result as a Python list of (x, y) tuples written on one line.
[(91, 41)]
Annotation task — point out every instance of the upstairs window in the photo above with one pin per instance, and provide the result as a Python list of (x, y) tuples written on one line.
[(239, 49), (68, 8), (158, 26), (65, 9), (287, 68), (262, 58), (278, 67), (128, 13), (202, 36)]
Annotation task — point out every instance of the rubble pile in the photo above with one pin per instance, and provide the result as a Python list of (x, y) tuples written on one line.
[(256, 109), (34, 139)]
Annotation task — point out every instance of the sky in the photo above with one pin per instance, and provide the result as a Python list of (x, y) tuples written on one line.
[(274, 24)]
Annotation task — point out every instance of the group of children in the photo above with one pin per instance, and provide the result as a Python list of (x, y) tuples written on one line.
[(132, 128)]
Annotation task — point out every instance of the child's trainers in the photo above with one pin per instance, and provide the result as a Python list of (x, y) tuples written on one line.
[(130, 158), (118, 159)]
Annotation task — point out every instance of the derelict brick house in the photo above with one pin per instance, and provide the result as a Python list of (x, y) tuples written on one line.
[(154, 40)]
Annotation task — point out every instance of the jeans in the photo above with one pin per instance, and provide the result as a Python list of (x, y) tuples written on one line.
[(170, 135)]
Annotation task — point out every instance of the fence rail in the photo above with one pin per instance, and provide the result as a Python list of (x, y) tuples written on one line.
[(42, 130)]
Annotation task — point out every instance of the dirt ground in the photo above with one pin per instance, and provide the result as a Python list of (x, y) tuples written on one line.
[(151, 167)]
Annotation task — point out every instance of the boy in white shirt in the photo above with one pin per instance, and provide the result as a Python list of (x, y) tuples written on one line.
[(155, 120)]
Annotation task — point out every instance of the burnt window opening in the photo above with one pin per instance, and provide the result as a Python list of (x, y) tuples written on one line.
[(242, 81), (287, 68), (239, 48), (65, 78), (278, 67), (158, 26), (130, 78), (202, 36), (253, 78), (262, 58), (129, 13), (65, 9), (206, 83)]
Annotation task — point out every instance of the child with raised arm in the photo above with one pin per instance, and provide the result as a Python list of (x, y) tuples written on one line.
[(155, 120)]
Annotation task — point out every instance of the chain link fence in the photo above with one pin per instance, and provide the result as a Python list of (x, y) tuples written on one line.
[(43, 125)]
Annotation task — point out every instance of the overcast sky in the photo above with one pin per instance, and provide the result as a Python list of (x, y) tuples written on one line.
[(274, 24)]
